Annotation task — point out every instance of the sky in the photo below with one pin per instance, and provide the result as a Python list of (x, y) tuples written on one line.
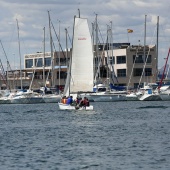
[(32, 17)]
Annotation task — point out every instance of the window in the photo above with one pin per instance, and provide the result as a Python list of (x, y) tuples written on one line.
[(139, 59), (121, 59), (47, 61), (29, 63), (136, 85), (148, 71), (103, 72), (112, 60), (149, 60), (38, 62), (96, 61), (63, 75), (121, 72), (62, 61), (137, 72)]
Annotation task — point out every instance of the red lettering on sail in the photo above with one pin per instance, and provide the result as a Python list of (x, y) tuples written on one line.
[(82, 38)]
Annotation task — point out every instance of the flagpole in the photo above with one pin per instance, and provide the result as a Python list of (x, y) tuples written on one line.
[(129, 31), (128, 36)]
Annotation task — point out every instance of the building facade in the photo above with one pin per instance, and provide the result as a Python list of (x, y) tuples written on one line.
[(130, 67), (121, 64)]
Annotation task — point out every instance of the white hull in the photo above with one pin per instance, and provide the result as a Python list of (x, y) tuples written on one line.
[(69, 107), (51, 98), (165, 92), (132, 97), (150, 97), (29, 100), (102, 97), (5, 100), (165, 96)]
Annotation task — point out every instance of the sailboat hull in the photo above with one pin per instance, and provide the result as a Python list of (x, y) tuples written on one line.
[(69, 107), (104, 97), (150, 97)]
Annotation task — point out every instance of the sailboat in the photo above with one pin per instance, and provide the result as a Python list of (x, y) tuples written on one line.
[(48, 95), (105, 91), (80, 72)]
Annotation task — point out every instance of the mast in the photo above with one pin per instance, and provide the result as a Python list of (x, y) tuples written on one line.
[(44, 61), (66, 48), (93, 52), (97, 56), (52, 56), (59, 53), (79, 12), (144, 58), (107, 42), (111, 63), (19, 53), (157, 47)]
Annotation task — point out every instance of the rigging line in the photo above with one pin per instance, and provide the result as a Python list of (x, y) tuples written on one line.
[(58, 40), (69, 38), (99, 63), (3, 75), (12, 35), (133, 66), (146, 60), (100, 34), (5, 56)]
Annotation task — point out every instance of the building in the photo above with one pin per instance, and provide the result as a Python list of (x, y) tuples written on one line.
[(122, 66), (130, 67)]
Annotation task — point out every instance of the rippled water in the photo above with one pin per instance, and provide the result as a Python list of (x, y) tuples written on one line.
[(116, 136)]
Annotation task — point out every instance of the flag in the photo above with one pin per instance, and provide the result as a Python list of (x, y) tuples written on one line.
[(129, 30)]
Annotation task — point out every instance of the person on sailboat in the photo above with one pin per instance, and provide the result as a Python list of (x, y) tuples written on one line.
[(85, 102), (78, 101), (70, 100), (64, 100)]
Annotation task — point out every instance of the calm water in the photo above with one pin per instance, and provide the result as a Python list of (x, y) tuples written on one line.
[(116, 136)]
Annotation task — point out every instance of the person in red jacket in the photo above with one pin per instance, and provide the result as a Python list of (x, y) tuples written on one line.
[(86, 102)]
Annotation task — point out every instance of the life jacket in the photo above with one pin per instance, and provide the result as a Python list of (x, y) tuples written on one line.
[(64, 101), (85, 102)]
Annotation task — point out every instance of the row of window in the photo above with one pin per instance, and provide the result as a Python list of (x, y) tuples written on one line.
[(120, 73), (136, 72), (122, 59), (37, 62), (119, 60), (29, 63)]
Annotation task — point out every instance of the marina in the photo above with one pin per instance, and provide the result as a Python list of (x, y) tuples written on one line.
[(86, 88)]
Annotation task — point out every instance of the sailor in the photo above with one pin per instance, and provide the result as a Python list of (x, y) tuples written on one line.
[(81, 103), (70, 100), (63, 100), (77, 101), (85, 102)]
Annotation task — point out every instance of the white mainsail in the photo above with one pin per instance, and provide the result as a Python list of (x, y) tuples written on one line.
[(81, 76)]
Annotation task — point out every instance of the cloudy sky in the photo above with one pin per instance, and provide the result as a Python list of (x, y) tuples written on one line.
[(32, 17)]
